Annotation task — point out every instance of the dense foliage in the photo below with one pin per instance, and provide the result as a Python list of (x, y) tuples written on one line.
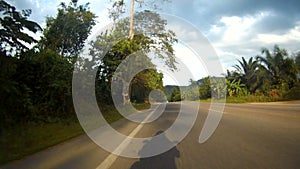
[(35, 84), (274, 74), (67, 32)]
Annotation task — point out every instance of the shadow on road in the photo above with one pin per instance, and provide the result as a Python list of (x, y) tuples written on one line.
[(165, 160)]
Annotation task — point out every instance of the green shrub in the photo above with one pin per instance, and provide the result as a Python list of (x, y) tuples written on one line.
[(293, 94)]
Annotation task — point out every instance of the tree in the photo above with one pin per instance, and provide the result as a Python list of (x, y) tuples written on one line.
[(249, 73), (191, 92), (175, 95), (12, 30), (47, 76), (282, 71), (110, 62), (67, 32), (193, 83), (131, 34), (297, 60), (15, 102), (232, 75), (205, 88), (145, 41), (118, 8), (143, 83), (149, 30), (218, 87)]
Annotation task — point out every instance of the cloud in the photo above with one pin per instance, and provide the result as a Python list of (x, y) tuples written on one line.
[(40, 9), (293, 35), (243, 36), (48, 8), (235, 28)]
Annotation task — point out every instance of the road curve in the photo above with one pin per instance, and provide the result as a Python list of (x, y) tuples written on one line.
[(265, 136)]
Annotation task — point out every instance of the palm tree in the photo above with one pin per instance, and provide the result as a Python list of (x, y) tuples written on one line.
[(248, 72), (232, 75), (280, 69)]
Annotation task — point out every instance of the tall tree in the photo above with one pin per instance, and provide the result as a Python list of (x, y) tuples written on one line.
[(131, 33), (159, 42), (119, 7), (67, 32), (145, 25)]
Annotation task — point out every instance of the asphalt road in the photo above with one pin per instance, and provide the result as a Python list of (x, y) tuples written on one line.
[(265, 136)]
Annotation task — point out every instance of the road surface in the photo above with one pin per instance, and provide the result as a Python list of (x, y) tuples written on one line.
[(265, 136)]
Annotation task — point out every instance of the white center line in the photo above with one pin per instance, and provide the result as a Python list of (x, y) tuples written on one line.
[(106, 164)]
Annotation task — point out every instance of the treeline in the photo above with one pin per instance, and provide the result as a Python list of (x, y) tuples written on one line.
[(273, 75), (36, 82)]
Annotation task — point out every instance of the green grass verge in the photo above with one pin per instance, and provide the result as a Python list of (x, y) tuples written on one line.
[(22, 140), (250, 99), (26, 139), (143, 106)]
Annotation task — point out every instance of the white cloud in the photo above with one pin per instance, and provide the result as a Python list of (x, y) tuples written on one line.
[(215, 29), (236, 27), (37, 2), (234, 37), (233, 29), (292, 35)]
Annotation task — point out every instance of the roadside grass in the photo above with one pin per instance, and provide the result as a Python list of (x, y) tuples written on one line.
[(249, 99), (252, 98), (141, 106), (22, 140)]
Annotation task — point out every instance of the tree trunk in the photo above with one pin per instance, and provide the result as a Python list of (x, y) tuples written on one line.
[(131, 33), (125, 94)]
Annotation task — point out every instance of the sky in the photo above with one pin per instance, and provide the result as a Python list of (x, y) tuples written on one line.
[(235, 28)]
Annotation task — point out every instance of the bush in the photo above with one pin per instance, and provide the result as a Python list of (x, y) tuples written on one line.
[(293, 94), (274, 93)]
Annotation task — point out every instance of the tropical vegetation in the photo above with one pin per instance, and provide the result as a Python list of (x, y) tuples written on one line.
[(273, 75), (36, 73)]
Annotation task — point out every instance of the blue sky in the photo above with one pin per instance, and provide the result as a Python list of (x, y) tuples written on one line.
[(235, 28)]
